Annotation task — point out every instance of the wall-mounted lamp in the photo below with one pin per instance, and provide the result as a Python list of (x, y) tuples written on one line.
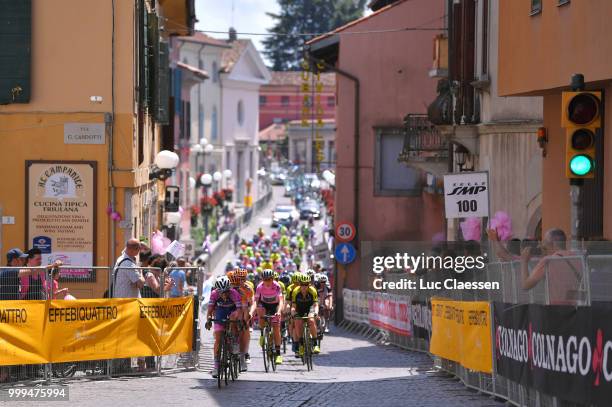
[(165, 162), (542, 139), (461, 156)]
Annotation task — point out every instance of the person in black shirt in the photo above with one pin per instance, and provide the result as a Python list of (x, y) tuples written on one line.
[(9, 277)]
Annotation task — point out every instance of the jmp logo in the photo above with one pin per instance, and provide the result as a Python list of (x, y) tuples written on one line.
[(469, 189)]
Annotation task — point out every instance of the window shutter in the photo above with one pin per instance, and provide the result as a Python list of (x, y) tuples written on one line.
[(150, 57), (162, 89), (15, 50)]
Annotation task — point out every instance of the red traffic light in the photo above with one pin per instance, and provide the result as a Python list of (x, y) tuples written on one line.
[(583, 109)]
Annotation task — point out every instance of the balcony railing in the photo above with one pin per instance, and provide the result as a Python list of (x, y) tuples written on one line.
[(422, 141)]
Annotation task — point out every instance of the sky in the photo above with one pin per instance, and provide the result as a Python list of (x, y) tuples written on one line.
[(249, 16)]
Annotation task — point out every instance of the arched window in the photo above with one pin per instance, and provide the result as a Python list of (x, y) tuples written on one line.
[(215, 72)]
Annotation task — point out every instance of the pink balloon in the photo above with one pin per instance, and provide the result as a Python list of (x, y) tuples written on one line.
[(502, 223), (470, 228), (69, 297), (157, 243)]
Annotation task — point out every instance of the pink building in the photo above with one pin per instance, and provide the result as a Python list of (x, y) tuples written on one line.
[(382, 77), (281, 100)]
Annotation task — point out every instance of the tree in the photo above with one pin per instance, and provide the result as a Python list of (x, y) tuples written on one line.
[(285, 48)]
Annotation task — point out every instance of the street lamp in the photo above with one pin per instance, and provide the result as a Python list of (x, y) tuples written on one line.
[(206, 181), (461, 156), (165, 162)]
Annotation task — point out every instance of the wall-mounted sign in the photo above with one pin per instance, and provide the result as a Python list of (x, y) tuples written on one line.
[(61, 213), (466, 195), (84, 133)]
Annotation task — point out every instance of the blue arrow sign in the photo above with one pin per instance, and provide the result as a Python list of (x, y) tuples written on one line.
[(345, 253)]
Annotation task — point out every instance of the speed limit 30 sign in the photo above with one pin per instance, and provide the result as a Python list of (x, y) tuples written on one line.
[(466, 195), (345, 231)]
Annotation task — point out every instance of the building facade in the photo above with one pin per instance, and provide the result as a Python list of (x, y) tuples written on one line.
[(79, 138), (541, 45), (302, 145), (380, 80), (282, 100)]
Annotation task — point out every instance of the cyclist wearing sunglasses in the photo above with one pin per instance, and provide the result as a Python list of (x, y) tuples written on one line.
[(270, 301), (305, 303)]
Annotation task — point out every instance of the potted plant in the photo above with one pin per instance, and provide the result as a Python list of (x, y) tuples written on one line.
[(207, 204), (228, 193), (194, 212)]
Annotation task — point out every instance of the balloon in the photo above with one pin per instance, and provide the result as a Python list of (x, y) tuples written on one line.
[(470, 228), (157, 243), (69, 297), (502, 223)]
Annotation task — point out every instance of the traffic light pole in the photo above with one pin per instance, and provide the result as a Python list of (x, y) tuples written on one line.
[(575, 196)]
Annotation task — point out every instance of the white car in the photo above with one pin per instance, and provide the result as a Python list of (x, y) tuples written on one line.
[(284, 215)]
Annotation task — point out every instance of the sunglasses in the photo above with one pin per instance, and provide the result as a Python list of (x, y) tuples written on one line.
[(305, 284)]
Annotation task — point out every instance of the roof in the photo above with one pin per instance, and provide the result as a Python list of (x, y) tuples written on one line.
[(273, 132), (294, 78), (232, 55), (356, 22), (202, 38), (200, 73)]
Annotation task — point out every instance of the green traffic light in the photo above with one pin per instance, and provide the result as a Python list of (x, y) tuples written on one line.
[(580, 165)]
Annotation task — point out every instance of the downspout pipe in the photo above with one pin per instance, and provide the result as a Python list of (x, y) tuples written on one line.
[(110, 124), (357, 85)]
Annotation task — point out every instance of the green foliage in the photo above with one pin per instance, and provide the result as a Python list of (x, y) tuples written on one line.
[(305, 16)]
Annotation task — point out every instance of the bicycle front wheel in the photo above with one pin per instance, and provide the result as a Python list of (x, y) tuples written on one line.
[(271, 353), (220, 359), (264, 349)]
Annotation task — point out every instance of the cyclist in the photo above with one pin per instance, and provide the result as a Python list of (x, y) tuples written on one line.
[(311, 275), (304, 303), (270, 301), (290, 327), (325, 297), (238, 280), (225, 303)]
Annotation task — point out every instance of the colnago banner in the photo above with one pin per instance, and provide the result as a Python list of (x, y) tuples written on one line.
[(564, 351), (62, 331), (461, 331), (390, 312)]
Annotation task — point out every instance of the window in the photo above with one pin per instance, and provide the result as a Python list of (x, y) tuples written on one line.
[(215, 72), (263, 100), (16, 40), (331, 101), (200, 64), (213, 124), (392, 178), (200, 121), (240, 113), (563, 2), (228, 160), (485, 36), (285, 101), (536, 7)]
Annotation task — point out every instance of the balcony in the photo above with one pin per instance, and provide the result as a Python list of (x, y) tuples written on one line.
[(424, 147)]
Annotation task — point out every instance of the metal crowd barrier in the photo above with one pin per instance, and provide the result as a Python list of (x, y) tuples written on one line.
[(570, 280), (135, 365)]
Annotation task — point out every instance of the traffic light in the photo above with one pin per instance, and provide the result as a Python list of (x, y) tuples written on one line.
[(581, 117)]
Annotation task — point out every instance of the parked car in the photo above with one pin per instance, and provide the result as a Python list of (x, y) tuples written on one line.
[(284, 215), (290, 187), (308, 208)]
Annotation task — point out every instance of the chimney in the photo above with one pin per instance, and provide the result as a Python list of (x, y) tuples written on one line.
[(233, 35)]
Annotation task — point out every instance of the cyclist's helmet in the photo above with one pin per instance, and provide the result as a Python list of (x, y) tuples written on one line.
[(322, 278), (229, 266), (310, 273), (276, 275), (241, 273), (295, 278), (233, 278), (249, 267), (222, 283), (304, 278), (285, 279), (267, 274)]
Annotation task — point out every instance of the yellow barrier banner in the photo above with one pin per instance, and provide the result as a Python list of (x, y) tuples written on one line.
[(62, 331), (461, 332)]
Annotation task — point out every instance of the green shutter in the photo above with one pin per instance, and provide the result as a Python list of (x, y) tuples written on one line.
[(15, 50), (152, 41), (162, 90)]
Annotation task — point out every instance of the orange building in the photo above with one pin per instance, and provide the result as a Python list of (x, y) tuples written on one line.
[(83, 104), (541, 45)]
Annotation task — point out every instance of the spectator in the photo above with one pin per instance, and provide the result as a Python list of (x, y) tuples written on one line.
[(9, 277), (37, 280), (127, 279), (566, 274), (178, 282), (152, 287), (54, 292)]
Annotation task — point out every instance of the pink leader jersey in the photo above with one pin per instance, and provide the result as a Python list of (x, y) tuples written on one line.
[(268, 295)]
